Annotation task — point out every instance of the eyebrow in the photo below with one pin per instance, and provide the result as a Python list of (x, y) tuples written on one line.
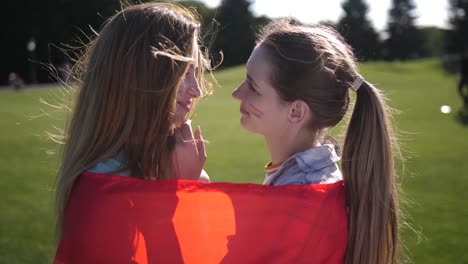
[(252, 81)]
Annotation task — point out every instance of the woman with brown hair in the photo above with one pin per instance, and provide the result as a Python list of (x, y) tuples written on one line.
[(298, 85), (138, 83)]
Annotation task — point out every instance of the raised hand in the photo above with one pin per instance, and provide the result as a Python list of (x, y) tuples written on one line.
[(189, 155)]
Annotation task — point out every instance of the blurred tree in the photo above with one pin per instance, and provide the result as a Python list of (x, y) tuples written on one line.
[(404, 39), (456, 40), (358, 30), (328, 23), (13, 44), (207, 19), (433, 41), (236, 35), (259, 22), (50, 23), (206, 14), (87, 15)]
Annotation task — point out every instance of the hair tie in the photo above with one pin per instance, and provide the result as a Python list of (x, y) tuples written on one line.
[(357, 83)]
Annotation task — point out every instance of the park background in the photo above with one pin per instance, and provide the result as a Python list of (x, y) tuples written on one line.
[(415, 65)]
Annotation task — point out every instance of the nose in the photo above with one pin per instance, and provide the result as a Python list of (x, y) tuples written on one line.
[(194, 88), (239, 92)]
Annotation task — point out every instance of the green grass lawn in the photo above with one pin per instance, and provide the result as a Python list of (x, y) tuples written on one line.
[(435, 146)]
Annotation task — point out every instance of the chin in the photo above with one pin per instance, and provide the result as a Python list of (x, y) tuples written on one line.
[(179, 120), (247, 125)]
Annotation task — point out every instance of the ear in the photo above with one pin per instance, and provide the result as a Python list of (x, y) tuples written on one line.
[(298, 112)]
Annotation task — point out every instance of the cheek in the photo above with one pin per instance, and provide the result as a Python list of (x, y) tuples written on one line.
[(182, 88), (191, 81), (270, 113), (254, 109)]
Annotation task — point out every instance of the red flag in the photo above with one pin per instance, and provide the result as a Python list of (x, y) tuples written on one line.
[(115, 219)]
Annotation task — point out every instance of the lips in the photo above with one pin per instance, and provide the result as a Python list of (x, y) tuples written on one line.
[(185, 106), (243, 110)]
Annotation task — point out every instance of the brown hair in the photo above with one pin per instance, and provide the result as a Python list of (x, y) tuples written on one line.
[(314, 64), (126, 98)]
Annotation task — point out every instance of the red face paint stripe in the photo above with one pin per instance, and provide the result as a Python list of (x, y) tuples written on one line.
[(254, 108)]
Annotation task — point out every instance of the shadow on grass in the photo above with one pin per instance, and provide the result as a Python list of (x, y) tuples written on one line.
[(462, 116)]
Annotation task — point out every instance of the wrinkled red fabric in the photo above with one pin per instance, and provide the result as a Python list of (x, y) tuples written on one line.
[(115, 219)]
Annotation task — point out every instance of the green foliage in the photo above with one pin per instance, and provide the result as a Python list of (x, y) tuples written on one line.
[(328, 23), (359, 31), (457, 40), (259, 22), (206, 14), (404, 39), (236, 36), (433, 44), (218, 25), (51, 23), (209, 26)]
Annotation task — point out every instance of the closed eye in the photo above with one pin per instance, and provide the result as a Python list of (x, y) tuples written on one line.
[(251, 88), (251, 85)]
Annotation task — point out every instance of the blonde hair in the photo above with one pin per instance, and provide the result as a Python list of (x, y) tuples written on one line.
[(314, 64), (126, 98)]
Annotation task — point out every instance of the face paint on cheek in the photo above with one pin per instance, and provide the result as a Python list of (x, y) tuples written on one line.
[(254, 110)]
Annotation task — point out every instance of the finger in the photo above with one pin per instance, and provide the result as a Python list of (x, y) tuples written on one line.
[(200, 144), (178, 136)]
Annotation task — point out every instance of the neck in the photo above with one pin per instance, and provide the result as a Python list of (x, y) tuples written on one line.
[(283, 146)]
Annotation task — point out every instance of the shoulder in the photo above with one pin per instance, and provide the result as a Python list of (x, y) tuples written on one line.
[(297, 175), (313, 166)]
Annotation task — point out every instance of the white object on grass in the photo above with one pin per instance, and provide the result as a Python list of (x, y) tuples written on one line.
[(445, 109)]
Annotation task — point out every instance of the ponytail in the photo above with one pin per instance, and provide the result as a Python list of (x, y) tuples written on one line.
[(368, 170)]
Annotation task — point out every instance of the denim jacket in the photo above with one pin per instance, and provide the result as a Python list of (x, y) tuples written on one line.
[(116, 166), (313, 166), (113, 166)]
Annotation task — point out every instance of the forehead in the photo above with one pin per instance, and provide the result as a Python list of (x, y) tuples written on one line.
[(195, 52), (258, 63)]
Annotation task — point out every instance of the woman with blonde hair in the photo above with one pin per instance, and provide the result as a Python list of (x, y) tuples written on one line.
[(298, 85), (138, 83)]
